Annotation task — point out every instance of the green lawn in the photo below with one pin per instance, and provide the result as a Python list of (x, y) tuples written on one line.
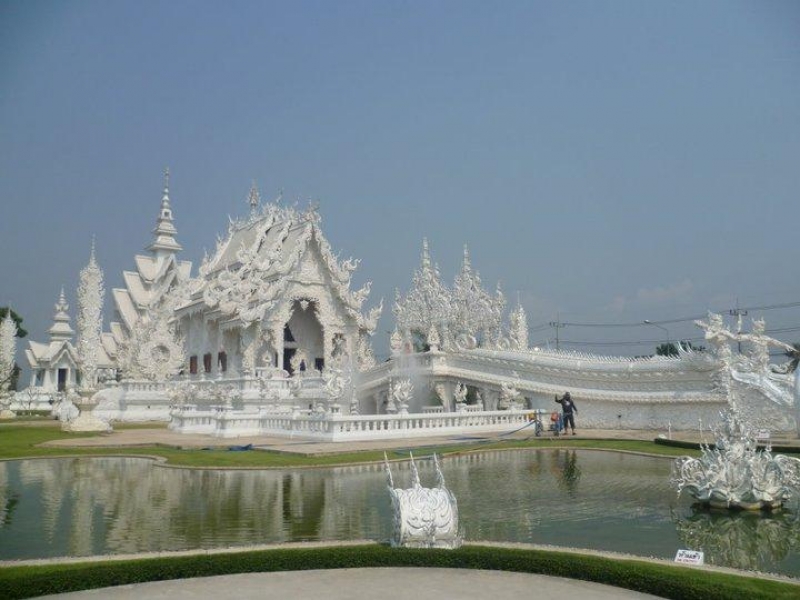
[(20, 440)]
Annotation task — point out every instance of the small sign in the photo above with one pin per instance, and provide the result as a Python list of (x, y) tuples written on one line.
[(762, 434), (689, 557)]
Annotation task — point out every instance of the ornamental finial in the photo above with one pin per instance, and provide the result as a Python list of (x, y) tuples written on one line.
[(253, 197), (91, 254)]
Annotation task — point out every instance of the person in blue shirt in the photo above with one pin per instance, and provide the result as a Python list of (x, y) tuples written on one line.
[(567, 408)]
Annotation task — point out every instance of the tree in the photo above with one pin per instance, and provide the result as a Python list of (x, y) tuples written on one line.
[(794, 357), (671, 348), (21, 333)]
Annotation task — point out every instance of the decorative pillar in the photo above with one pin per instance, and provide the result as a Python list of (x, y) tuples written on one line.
[(277, 338)]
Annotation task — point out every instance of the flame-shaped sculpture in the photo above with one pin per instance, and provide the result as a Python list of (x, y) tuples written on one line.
[(423, 517)]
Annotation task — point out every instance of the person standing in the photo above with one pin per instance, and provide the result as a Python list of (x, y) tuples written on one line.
[(568, 409)]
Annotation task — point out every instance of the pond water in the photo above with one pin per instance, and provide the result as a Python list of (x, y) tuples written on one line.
[(585, 499)]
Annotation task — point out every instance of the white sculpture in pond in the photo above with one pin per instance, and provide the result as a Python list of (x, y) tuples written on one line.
[(734, 473), (423, 517)]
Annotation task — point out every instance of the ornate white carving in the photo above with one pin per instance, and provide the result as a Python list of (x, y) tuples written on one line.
[(366, 358), (465, 313), (460, 396), (8, 349), (735, 473), (423, 517), (476, 312), (509, 395), (154, 350), (335, 383), (518, 329), (285, 259), (90, 320)]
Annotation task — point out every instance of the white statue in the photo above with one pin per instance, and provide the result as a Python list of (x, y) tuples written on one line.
[(400, 393), (509, 396), (423, 517), (734, 473), (460, 396)]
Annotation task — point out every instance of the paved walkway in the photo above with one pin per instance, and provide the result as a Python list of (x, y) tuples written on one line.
[(365, 584), (161, 436)]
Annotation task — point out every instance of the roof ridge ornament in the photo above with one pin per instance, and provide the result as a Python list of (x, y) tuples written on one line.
[(253, 198), (165, 197), (165, 230)]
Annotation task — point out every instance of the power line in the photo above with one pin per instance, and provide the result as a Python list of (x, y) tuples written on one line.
[(734, 311)]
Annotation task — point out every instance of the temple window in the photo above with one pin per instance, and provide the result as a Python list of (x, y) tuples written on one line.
[(287, 334), (193, 365), (319, 364), (222, 361), (207, 362)]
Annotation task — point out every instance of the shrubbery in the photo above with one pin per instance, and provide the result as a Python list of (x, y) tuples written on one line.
[(661, 580)]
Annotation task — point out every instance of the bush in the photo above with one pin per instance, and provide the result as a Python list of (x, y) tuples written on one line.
[(662, 580)]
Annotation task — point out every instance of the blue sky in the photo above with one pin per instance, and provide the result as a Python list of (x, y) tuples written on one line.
[(609, 162)]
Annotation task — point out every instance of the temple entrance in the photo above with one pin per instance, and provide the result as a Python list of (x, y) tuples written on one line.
[(62, 379), (303, 333)]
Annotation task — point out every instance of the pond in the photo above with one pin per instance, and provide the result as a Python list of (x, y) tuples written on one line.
[(584, 499)]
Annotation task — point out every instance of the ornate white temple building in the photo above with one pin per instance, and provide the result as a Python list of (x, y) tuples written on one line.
[(269, 337)]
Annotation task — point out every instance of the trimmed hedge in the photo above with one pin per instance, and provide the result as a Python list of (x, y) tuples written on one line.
[(696, 446), (662, 580)]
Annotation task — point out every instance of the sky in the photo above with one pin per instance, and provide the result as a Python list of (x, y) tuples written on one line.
[(607, 162)]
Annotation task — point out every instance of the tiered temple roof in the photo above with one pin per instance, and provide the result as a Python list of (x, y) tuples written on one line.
[(155, 275), (245, 279)]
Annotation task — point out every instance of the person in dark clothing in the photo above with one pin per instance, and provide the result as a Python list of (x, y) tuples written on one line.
[(568, 408)]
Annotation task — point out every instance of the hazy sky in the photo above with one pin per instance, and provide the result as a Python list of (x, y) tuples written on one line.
[(610, 162)]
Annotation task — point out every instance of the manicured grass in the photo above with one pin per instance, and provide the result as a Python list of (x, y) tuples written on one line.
[(19, 440), (666, 581)]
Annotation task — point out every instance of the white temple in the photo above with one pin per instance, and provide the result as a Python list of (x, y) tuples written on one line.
[(269, 337)]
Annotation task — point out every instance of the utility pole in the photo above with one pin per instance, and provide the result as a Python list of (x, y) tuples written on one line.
[(557, 324), (738, 313)]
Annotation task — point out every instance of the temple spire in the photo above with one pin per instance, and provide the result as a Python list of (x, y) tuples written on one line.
[(61, 329), (426, 255), (165, 232), (254, 198)]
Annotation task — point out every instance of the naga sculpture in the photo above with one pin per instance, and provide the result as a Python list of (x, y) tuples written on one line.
[(423, 517)]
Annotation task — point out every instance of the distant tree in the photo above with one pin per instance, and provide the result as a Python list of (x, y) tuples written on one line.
[(21, 333), (671, 348), (794, 357)]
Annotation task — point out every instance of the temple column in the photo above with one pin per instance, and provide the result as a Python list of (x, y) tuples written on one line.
[(277, 336), (47, 381)]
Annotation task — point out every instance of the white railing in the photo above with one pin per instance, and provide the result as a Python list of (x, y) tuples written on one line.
[(330, 427)]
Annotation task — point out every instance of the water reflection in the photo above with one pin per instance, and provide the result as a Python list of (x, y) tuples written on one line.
[(586, 499), (744, 540)]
